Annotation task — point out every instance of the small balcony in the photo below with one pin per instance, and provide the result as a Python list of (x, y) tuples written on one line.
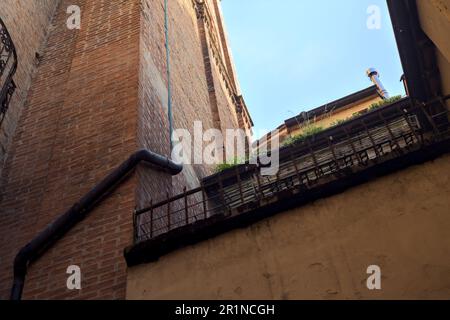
[(8, 67), (339, 157)]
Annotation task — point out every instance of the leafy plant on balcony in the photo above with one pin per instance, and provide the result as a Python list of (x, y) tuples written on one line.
[(236, 161), (308, 131), (372, 107), (338, 122), (385, 102)]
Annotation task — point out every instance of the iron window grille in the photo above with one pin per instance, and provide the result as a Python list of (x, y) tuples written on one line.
[(8, 67)]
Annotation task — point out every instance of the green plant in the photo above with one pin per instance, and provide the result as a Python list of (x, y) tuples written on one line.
[(372, 107), (308, 131), (311, 131), (338, 122), (385, 102), (229, 164)]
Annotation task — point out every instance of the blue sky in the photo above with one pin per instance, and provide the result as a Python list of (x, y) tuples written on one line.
[(295, 55)]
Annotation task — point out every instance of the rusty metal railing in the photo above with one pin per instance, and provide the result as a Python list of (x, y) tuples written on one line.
[(8, 67), (369, 140)]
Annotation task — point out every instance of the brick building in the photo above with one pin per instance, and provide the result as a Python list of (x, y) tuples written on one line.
[(86, 99)]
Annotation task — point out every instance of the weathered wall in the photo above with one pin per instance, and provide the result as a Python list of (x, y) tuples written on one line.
[(435, 21), (29, 39), (321, 251)]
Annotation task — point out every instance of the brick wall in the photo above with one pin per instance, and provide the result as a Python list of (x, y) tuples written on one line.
[(99, 94), (28, 38), (189, 91), (198, 89), (79, 123)]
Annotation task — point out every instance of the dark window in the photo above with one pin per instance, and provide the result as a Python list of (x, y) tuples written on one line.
[(8, 66)]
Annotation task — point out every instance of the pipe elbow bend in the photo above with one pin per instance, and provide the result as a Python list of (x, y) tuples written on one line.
[(155, 159)]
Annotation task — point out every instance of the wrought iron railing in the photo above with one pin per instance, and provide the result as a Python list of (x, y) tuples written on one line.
[(8, 67), (369, 140)]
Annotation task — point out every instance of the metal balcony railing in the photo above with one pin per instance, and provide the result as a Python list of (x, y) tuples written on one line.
[(369, 140), (8, 67)]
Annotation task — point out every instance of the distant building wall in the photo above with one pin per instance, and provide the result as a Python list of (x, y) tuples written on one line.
[(342, 114), (322, 250), (29, 39), (325, 121)]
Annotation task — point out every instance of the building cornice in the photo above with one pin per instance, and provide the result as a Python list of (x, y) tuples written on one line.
[(203, 12)]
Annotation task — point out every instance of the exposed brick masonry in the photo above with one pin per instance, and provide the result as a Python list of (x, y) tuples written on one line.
[(29, 39), (79, 122)]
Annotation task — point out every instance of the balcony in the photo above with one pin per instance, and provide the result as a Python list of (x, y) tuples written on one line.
[(345, 155), (8, 67)]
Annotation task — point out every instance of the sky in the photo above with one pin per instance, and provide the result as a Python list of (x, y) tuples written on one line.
[(295, 55)]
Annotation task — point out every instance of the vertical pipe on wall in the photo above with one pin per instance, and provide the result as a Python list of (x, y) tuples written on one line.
[(169, 86)]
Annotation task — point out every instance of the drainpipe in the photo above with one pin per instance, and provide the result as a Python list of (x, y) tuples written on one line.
[(58, 228), (374, 77), (169, 83)]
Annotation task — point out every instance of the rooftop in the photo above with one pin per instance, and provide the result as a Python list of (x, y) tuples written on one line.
[(334, 106)]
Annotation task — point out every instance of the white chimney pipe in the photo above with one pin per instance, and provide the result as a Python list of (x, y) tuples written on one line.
[(374, 77)]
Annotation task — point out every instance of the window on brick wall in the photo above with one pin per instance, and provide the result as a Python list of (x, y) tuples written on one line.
[(8, 66)]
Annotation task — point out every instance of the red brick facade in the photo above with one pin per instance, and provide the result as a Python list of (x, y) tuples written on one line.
[(29, 39), (99, 94)]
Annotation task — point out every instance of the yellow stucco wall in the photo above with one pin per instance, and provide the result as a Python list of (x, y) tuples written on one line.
[(435, 21), (400, 222)]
